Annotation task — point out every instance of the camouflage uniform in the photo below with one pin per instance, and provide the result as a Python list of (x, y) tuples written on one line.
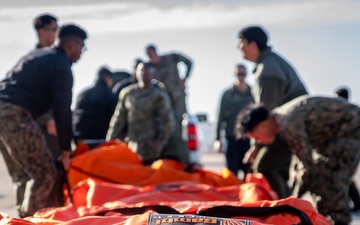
[(28, 151), (167, 72), (332, 127), (147, 116)]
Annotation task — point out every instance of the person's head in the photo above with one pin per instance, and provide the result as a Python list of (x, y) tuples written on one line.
[(71, 39), (152, 53), (135, 63), (45, 26), (343, 93), (256, 122), (240, 73), (145, 73), (252, 41), (104, 74)]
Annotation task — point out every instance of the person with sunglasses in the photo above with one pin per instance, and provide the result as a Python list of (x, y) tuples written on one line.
[(233, 100)]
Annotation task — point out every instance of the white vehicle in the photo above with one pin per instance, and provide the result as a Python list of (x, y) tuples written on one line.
[(197, 133)]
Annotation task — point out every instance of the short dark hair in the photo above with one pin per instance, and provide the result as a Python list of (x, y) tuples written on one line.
[(149, 65), (136, 62), (249, 118), (151, 46), (42, 20), (104, 72), (241, 65), (68, 30), (257, 34), (343, 92)]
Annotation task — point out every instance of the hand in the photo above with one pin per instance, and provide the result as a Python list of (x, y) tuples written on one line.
[(218, 146), (182, 83), (51, 127), (250, 155), (65, 159)]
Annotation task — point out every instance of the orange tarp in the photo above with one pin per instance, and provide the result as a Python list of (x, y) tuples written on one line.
[(71, 215), (141, 219), (114, 162), (132, 186), (90, 193)]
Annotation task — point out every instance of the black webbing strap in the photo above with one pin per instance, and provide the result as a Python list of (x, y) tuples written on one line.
[(219, 211), (233, 211), (162, 209)]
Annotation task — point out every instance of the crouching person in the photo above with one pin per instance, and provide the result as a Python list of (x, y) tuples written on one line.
[(329, 125)]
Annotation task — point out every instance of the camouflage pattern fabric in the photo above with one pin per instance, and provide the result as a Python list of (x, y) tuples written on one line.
[(324, 133), (148, 117), (27, 157), (167, 72)]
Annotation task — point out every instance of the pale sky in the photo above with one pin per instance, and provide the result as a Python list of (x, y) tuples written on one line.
[(320, 38)]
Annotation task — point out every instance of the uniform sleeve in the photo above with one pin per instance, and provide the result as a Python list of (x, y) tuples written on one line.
[(165, 120), (119, 119), (62, 97), (221, 116), (271, 92), (299, 140), (186, 61)]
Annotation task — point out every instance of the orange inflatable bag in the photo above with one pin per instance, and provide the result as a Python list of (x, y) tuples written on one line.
[(114, 162)]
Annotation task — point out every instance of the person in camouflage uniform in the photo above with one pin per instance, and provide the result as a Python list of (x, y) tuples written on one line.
[(41, 80), (167, 72), (144, 109), (324, 133)]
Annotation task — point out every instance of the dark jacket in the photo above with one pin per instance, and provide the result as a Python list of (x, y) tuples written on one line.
[(93, 111), (41, 80)]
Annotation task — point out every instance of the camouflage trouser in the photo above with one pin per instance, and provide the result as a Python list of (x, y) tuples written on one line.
[(27, 158), (330, 178)]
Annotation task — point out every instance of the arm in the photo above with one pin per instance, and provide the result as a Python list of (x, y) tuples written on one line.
[(47, 120), (299, 143), (44, 118), (271, 92), (221, 115), (220, 123), (165, 119), (187, 62), (119, 118), (62, 97)]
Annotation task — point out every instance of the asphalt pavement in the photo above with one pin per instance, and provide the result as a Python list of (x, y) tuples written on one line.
[(210, 160)]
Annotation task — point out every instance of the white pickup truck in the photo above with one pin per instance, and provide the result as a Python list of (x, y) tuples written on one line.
[(198, 132)]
